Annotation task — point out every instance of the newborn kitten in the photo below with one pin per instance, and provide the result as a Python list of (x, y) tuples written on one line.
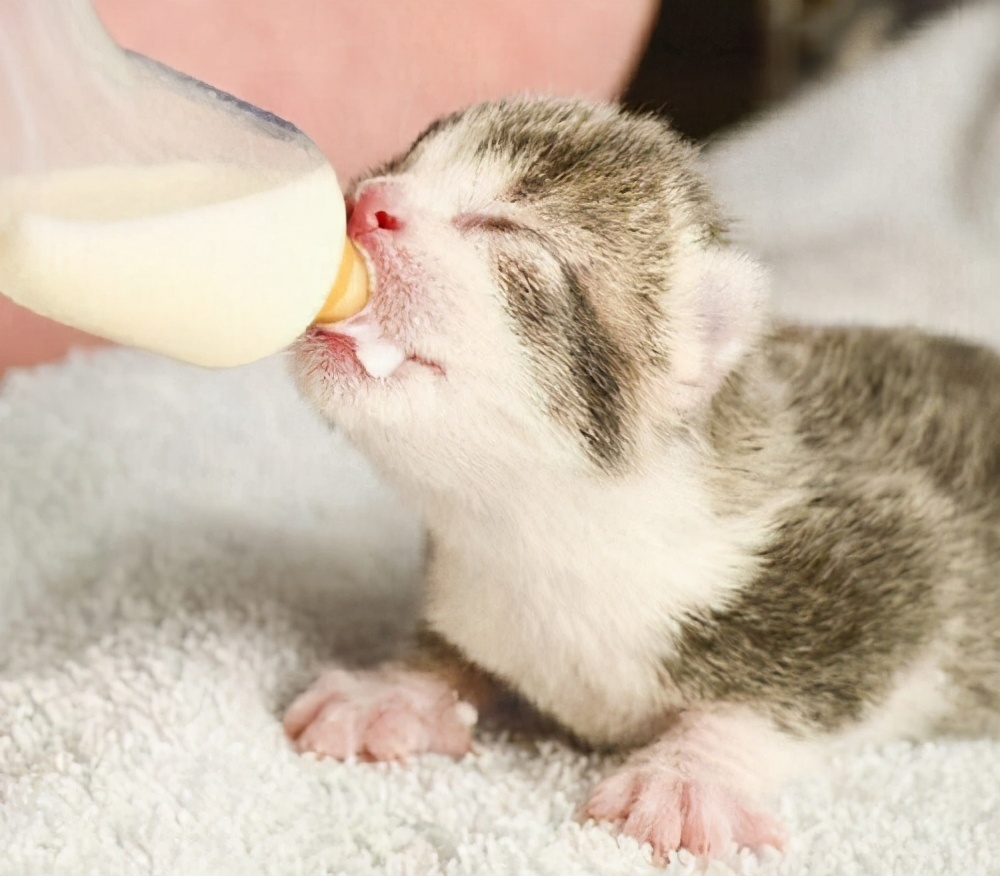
[(727, 546)]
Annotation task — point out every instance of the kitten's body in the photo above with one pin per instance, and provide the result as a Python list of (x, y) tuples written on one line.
[(840, 529), (661, 523)]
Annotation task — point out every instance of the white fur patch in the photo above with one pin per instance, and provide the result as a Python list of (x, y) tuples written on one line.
[(575, 612)]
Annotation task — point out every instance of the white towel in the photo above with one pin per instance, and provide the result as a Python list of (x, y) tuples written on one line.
[(180, 552)]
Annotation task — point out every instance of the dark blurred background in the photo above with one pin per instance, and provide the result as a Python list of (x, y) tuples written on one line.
[(711, 63)]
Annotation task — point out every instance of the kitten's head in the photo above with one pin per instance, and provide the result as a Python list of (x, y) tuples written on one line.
[(550, 276)]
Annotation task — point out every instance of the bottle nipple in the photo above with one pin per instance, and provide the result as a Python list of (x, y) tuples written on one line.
[(349, 292)]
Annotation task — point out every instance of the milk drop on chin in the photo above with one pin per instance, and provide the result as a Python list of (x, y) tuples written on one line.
[(210, 263), (378, 355)]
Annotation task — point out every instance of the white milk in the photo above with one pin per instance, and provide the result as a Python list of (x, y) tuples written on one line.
[(213, 264), (379, 356)]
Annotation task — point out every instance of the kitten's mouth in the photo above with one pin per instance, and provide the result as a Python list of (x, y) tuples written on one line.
[(361, 345), (361, 341)]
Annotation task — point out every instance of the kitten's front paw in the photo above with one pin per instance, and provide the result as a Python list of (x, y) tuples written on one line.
[(657, 805), (380, 714)]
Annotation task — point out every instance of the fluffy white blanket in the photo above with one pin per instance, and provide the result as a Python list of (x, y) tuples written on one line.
[(181, 550)]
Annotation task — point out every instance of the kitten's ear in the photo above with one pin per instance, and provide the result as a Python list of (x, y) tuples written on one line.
[(725, 313)]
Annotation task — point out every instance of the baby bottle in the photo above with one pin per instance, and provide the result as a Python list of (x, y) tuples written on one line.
[(143, 206)]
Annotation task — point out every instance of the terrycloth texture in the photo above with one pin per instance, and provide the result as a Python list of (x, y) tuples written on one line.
[(182, 550)]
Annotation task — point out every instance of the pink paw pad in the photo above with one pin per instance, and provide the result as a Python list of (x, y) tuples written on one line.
[(381, 714), (659, 806)]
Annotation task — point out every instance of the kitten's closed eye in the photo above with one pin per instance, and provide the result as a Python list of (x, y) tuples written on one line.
[(486, 222)]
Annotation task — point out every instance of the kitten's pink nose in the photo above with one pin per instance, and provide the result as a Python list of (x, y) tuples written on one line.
[(376, 207)]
